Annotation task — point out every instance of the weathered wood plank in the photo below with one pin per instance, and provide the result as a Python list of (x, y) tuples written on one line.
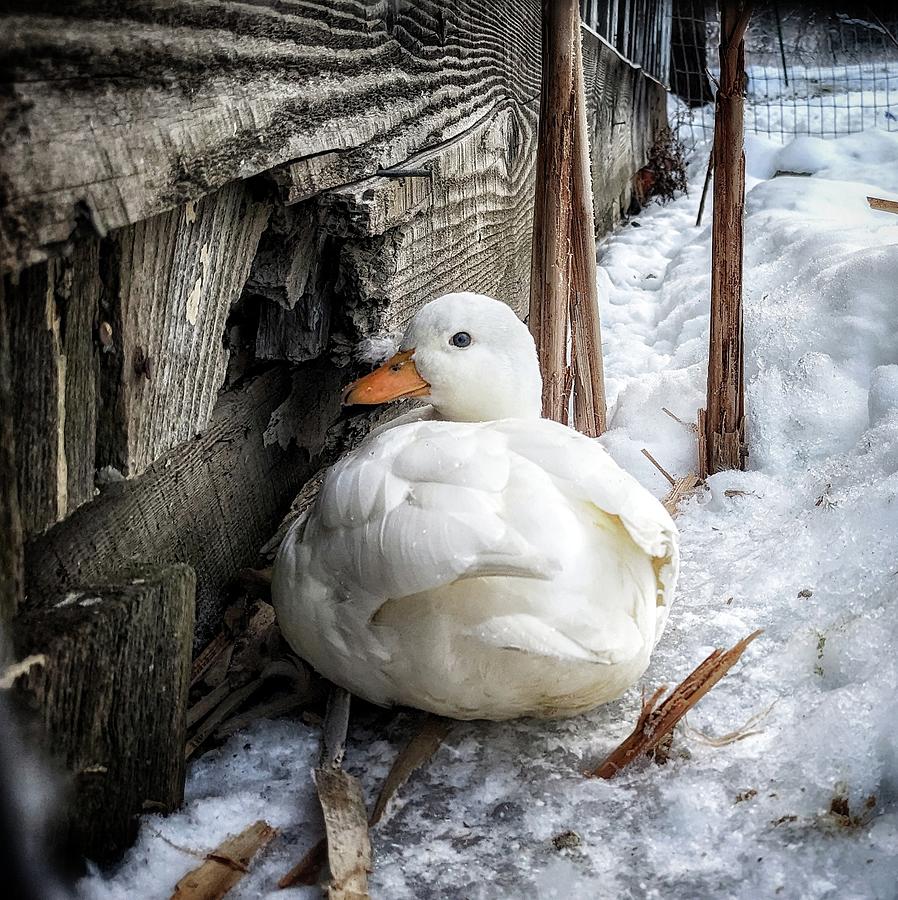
[(293, 271), (625, 111), (467, 227), (54, 363), (11, 560), (172, 280), (211, 502), (133, 108), (110, 697)]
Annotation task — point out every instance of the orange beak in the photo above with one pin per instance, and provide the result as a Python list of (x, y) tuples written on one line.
[(396, 379)]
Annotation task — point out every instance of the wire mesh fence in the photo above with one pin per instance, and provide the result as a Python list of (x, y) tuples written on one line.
[(821, 72)]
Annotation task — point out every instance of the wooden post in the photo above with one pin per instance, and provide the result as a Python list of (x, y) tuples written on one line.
[(563, 291), (11, 560), (724, 421), (107, 684)]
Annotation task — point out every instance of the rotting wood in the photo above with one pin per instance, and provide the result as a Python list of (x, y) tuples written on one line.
[(229, 90), (225, 865), (11, 547), (52, 314), (211, 502), (348, 844), (682, 488), (173, 278), (883, 205), (207, 657), (725, 416), (117, 660), (657, 720), (422, 746)]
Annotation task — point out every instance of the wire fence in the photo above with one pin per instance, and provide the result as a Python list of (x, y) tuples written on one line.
[(822, 72)]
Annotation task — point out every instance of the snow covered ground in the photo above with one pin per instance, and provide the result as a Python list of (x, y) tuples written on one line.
[(804, 544)]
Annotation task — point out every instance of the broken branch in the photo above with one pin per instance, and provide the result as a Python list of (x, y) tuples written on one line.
[(656, 722), (225, 865)]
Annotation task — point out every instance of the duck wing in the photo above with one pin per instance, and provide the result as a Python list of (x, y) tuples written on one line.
[(587, 472)]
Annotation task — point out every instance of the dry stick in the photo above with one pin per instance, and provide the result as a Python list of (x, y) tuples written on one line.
[(683, 487), (206, 704), (225, 865), (208, 656), (701, 205), (659, 467), (690, 425), (424, 743), (883, 205), (346, 846), (221, 712), (657, 722)]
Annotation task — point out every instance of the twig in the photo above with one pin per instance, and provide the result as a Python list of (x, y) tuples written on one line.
[(659, 467), (701, 205), (225, 865), (690, 425), (656, 722), (416, 752), (424, 743), (682, 488), (219, 714), (206, 704), (731, 737), (208, 656), (883, 205)]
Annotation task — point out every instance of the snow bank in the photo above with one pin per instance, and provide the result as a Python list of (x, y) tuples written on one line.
[(803, 544)]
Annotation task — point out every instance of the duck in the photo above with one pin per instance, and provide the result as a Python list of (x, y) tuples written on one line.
[(471, 558)]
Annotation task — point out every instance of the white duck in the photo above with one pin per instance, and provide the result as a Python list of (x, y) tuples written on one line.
[(471, 558)]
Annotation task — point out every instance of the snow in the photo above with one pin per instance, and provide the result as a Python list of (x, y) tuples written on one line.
[(802, 544)]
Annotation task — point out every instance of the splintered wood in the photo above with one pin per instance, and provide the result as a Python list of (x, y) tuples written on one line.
[(656, 722), (883, 205), (225, 865), (423, 744)]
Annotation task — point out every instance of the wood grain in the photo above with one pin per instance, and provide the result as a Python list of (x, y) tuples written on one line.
[(117, 663), (172, 280), (134, 108), (11, 557), (211, 502), (225, 865), (725, 412)]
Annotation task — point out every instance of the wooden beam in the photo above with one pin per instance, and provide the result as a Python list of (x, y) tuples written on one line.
[(133, 109), (725, 418), (109, 699), (211, 502), (11, 558)]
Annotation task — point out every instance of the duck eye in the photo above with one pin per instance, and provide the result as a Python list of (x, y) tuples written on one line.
[(460, 339)]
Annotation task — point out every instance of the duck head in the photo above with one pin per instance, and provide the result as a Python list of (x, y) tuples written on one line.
[(469, 355)]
